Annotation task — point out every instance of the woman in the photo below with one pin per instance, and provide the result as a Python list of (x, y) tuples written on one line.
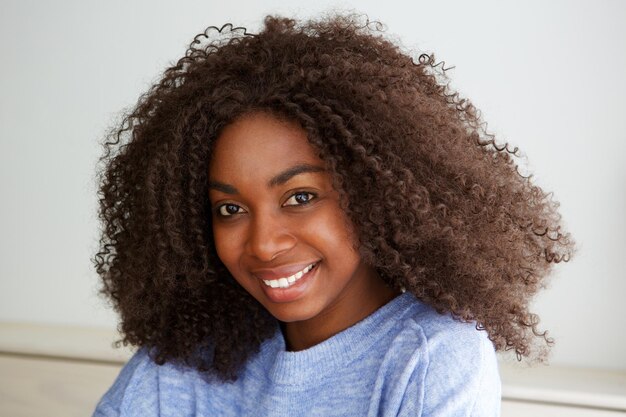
[(304, 221)]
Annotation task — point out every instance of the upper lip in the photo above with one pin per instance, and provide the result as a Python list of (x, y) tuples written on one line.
[(280, 272)]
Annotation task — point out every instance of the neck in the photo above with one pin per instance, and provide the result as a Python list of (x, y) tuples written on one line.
[(348, 310)]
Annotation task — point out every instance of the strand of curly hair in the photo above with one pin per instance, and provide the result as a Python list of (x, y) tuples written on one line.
[(439, 207)]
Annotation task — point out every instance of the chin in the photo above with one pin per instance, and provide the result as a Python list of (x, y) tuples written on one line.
[(291, 313)]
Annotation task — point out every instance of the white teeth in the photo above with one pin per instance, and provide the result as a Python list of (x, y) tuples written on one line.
[(286, 282)]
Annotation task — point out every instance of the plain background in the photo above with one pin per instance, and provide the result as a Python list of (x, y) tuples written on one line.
[(547, 76)]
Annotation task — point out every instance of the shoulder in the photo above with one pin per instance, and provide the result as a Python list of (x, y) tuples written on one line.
[(136, 379), (458, 369), (442, 333), (448, 339)]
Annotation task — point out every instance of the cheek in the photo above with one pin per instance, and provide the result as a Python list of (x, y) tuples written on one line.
[(336, 235), (225, 246)]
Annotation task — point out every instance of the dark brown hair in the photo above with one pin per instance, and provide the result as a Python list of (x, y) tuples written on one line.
[(439, 206)]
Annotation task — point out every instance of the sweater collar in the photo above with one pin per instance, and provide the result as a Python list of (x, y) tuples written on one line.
[(317, 362)]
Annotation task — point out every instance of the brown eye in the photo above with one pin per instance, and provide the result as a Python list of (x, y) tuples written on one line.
[(227, 210), (300, 198)]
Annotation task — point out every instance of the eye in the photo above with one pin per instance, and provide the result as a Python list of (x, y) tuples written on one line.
[(300, 198), (227, 210)]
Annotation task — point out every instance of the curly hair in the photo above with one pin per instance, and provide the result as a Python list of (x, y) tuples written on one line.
[(439, 206)]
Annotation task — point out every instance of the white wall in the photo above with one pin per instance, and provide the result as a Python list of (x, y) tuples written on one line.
[(548, 77)]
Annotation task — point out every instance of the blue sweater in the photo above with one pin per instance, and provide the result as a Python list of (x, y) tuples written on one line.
[(402, 360)]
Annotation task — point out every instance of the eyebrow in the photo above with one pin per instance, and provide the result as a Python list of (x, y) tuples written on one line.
[(277, 180)]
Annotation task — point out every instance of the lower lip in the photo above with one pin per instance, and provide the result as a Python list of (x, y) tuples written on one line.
[(295, 291)]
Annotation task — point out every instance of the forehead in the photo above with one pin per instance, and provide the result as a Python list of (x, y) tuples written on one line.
[(259, 145)]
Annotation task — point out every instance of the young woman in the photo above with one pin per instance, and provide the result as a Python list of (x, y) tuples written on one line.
[(306, 222)]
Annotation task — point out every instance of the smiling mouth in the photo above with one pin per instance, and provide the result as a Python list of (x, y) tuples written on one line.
[(290, 280)]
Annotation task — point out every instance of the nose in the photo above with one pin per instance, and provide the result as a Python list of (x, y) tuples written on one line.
[(269, 237)]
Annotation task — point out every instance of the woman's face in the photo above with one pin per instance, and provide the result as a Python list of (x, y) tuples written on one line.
[(278, 226)]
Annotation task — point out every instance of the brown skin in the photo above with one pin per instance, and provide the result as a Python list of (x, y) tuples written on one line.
[(261, 226)]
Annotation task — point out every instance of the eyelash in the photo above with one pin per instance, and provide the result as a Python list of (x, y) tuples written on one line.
[(312, 197)]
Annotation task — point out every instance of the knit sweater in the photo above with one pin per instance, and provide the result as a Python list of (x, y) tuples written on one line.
[(404, 359)]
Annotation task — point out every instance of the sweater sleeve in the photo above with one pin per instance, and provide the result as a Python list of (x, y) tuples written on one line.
[(127, 383), (488, 398), (462, 378), (457, 376)]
